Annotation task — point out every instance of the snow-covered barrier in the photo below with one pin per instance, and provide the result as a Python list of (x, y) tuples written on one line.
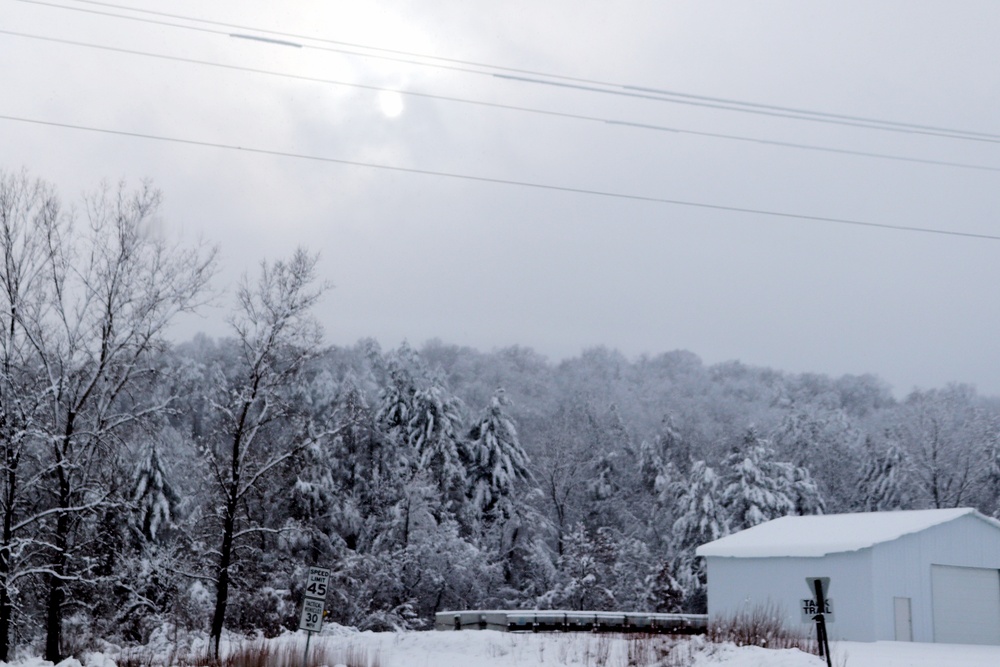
[(556, 620)]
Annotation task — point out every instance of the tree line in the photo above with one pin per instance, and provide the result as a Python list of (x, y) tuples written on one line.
[(150, 487)]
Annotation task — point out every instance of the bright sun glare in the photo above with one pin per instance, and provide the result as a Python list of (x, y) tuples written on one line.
[(391, 103)]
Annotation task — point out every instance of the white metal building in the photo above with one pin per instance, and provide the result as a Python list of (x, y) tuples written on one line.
[(923, 575)]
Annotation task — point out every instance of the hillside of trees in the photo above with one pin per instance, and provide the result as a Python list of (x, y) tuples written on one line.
[(149, 487)]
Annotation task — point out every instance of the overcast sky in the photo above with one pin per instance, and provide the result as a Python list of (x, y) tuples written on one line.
[(491, 263)]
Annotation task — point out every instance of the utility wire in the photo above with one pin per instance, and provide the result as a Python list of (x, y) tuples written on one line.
[(810, 147), (502, 181), (563, 77), (871, 125), (589, 85), (507, 107)]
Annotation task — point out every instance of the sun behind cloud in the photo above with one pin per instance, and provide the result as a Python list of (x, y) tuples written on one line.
[(390, 103)]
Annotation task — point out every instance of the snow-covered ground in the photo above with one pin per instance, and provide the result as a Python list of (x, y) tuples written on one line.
[(496, 649)]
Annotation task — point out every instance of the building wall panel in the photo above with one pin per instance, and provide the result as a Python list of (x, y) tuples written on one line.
[(738, 585), (903, 568)]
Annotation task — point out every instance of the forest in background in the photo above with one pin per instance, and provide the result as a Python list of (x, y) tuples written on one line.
[(150, 488)]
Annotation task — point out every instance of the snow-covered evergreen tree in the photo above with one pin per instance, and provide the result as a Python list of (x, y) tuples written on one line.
[(425, 420), (583, 572), (604, 483), (153, 497), (755, 487), (434, 433), (498, 463), (803, 491), (396, 395), (665, 593), (883, 484), (664, 462), (650, 464), (701, 517)]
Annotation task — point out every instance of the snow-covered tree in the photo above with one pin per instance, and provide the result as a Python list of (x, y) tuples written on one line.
[(754, 485), (434, 432), (498, 463), (945, 436), (425, 420), (665, 593), (664, 457), (564, 459), (395, 407), (25, 206), (803, 491), (824, 441), (258, 429), (153, 497), (584, 572), (701, 517), (107, 291), (883, 484)]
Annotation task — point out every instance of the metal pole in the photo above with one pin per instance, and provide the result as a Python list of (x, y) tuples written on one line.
[(826, 641), (821, 638), (305, 656)]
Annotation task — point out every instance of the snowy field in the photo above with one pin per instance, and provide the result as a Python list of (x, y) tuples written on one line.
[(496, 649)]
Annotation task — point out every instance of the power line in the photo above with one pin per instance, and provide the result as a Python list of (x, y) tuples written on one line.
[(267, 40), (580, 83), (503, 181), (563, 77), (765, 111), (811, 147), (506, 107)]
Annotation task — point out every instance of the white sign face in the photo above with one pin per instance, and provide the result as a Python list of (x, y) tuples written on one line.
[(312, 615), (316, 583), (809, 608)]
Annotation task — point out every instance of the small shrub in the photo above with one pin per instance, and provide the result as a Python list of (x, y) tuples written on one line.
[(77, 636)]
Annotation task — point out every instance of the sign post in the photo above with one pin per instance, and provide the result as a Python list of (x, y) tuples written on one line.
[(313, 604), (819, 586)]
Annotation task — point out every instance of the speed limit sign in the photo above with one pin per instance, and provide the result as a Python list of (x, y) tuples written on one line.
[(316, 583), (315, 599), (312, 615)]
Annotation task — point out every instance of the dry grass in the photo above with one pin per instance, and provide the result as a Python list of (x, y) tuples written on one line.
[(352, 655), (138, 656), (760, 626), (609, 649), (601, 650), (642, 650), (270, 653)]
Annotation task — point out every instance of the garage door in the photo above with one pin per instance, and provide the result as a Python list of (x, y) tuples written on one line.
[(966, 602)]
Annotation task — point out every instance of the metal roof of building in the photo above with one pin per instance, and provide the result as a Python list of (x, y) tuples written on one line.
[(820, 535)]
